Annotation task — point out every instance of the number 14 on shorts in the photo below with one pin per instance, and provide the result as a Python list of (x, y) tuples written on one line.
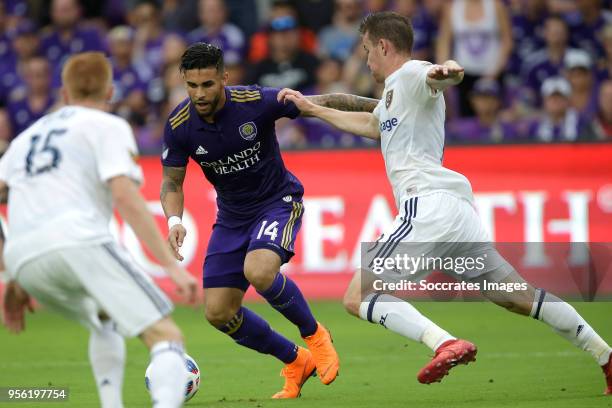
[(270, 230)]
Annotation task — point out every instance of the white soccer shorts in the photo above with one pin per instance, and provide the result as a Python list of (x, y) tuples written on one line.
[(435, 227), (81, 282)]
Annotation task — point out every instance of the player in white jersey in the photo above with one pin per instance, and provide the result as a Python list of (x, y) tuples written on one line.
[(63, 175), (435, 204)]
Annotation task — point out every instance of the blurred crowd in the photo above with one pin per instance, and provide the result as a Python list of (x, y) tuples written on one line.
[(535, 70)]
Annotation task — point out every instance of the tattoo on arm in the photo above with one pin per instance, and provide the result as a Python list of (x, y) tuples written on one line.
[(344, 102), (173, 178)]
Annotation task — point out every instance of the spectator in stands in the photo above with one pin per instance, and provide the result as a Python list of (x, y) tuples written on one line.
[(245, 15), (129, 99), (559, 122), (486, 126), (315, 21), (259, 44), (173, 47), (214, 29), (477, 34), (178, 15), (602, 124), (546, 62), (604, 66), (527, 17), (424, 18), (338, 39), (25, 44), (287, 66), (310, 132), (579, 73), (38, 99), (586, 31), (66, 35), (358, 77), (149, 35)]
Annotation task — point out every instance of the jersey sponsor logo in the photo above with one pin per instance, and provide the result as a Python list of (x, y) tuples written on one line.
[(389, 98), (235, 162), (388, 124), (165, 153), (201, 150), (248, 130), (287, 199)]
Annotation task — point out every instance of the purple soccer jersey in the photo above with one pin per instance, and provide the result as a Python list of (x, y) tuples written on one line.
[(22, 115), (238, 153), (259, 200)]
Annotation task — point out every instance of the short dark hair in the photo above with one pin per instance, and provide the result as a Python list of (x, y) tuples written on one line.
[(202, 55), (390, 26)]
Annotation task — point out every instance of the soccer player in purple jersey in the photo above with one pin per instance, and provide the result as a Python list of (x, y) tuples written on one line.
[(229, 132)]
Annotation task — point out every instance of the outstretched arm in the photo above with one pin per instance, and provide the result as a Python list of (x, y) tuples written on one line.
[(359, 123), (442, 76), (344, 102), (172, 201), (16, 299)]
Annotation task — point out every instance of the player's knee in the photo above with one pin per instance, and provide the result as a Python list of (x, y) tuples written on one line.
[(351, 303), (259, 275), (218, 315)]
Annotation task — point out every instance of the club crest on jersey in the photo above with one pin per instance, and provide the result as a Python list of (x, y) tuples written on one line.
[(389, 98), (248, 130)]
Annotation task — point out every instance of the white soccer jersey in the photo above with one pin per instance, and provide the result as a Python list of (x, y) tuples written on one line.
[(411, 117), (57, 172)]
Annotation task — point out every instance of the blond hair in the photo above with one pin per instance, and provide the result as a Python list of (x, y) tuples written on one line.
[(87, 76)]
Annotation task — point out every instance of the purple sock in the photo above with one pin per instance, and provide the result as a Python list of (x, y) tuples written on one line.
[(250, 330), (286, 297)]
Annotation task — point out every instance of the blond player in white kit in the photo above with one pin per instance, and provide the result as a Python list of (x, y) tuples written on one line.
[(435, 204), (63, 175)]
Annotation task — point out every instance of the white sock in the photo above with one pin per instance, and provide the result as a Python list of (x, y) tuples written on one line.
[(168, 374), (107, 357), (402, 318), (564, 319)]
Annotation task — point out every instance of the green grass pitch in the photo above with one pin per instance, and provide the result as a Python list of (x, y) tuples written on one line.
[(521, 363)]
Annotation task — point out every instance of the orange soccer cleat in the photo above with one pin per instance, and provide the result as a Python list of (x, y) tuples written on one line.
[(448, 355), (324, 353), (296, 374)]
